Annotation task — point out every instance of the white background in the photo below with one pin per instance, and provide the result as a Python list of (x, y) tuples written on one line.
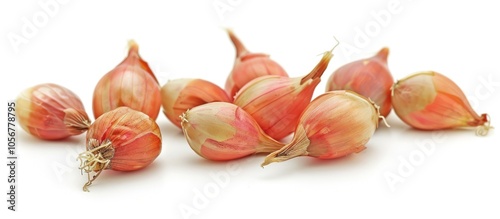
[(82, 40)]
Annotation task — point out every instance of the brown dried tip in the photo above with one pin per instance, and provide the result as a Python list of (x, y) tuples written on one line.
[(298, 147), (320, 68)]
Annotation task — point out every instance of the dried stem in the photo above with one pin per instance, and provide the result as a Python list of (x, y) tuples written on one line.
[(320, 68), (95, 159), (483, 129), (298, 147)]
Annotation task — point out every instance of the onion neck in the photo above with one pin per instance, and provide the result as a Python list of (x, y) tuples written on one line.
[(238, 45), (133, 57), (382, 55), (298, 147), (319, 69), (268, 145), (75, 121)]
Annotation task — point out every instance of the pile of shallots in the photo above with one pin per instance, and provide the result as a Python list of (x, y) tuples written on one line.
[(261, 106), (126, 102), (258, 108)]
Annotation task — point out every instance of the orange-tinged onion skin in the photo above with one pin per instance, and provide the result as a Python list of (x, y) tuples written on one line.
[(131, 84), (339, 123), (248, 66), (179, 95), (335, 124), (369, 77), (51, 112), (134, 136), (431, 101), (222, 131), (276, 102), (122, 139)]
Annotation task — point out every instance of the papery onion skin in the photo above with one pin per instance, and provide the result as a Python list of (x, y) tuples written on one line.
[(431, 101), (248, 66), (131, 84), (122, 139), (222, 131), (179, 95), (135, 138), (276, 102), (334, 124), (51, 112), (349, 118), (369, 77)]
